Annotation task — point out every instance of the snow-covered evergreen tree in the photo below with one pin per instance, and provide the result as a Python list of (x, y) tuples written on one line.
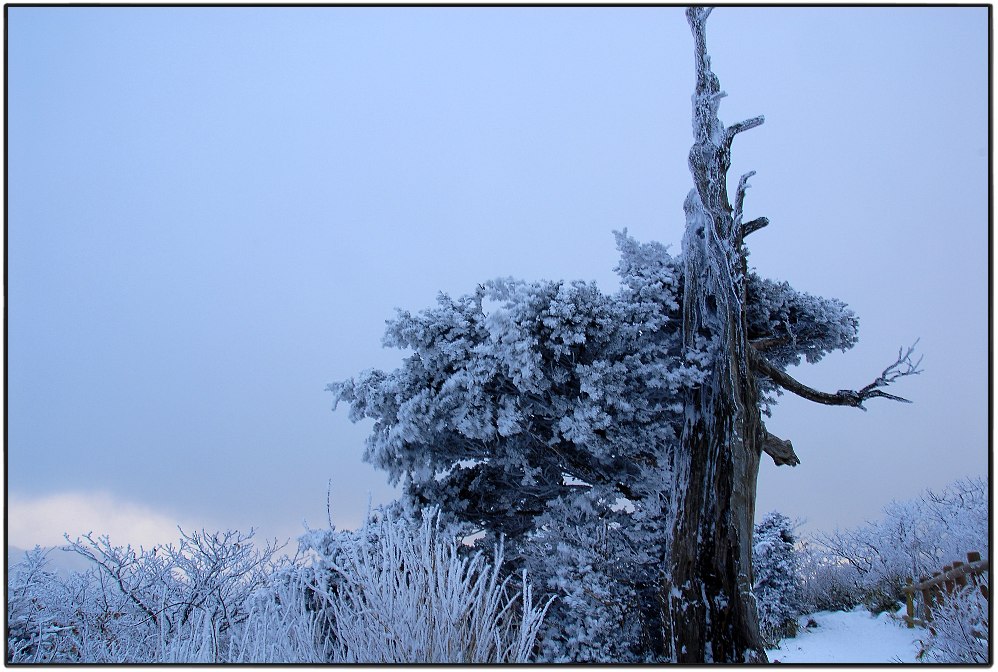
[(526, 399), (549, 412), (529, 404), (777, 586)]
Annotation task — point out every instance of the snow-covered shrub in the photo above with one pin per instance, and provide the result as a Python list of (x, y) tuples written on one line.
[(777, 581), (827, 583), (398, 593), (39, 615), (914, 538), (280, 626), (606, 587), (390, 592), (53, 619), (171, 603), (166, 604), (960, 629)]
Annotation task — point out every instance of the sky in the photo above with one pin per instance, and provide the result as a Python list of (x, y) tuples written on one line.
[(213, 211)]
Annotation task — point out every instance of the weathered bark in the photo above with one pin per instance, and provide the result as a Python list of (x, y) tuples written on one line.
[(780, 450), (713, 615), (711, 612)]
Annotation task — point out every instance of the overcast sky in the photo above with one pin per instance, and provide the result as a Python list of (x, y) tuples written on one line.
[(212, 211)]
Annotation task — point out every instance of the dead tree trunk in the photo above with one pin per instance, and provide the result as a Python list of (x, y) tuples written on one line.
[(713, 615), (711, 612)]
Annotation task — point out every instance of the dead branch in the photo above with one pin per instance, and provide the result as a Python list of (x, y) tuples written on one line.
[(754, 225), (739, 127), (763, 344), (781, 450), (903, 366), (739, 207), (743, 185)]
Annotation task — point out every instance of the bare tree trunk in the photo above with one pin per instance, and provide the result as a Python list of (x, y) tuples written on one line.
[(713, 615)]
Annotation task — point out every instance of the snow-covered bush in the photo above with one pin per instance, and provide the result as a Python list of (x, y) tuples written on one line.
[(606, 587), (960, 629), (39, 618), (171, 598), (395, 593), (827, 583), (281, 626), (777, 581), (390, 592), (167, 604), (914, 538)]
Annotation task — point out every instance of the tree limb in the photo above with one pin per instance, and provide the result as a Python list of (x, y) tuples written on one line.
[(763, 344), (754, 225), (782, 451), (743, 185), (736, 128), (903, 366), (739, 207)]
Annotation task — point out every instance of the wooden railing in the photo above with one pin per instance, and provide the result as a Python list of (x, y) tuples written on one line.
[(931, 591)]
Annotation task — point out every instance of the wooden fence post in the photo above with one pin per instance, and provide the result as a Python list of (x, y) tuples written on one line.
[(973, 557), (961, 577), (909, 602), (930, 594), (935, 590), (948, 583)]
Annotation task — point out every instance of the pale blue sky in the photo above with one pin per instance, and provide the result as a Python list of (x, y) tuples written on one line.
[(213, 211)]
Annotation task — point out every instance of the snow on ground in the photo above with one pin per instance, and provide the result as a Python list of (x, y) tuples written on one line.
[(855, 636)]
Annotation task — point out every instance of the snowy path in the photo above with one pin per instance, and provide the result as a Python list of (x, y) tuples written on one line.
[(850, 637)]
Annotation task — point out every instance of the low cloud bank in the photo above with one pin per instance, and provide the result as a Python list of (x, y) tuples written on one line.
[(43, 520)]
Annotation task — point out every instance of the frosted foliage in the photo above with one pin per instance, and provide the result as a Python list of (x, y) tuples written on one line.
[(393, 592), (399, 593), (788, 325), (914, 538), (525, 404), (557, 379), (37, 618), (798, 324), (212, 598), (524, 398), (960, 629), (777, 580), (603, 568)]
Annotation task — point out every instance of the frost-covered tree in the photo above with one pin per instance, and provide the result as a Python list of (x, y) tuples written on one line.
[(713, 613), (637, 416), (777, 579), (525, 405)]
